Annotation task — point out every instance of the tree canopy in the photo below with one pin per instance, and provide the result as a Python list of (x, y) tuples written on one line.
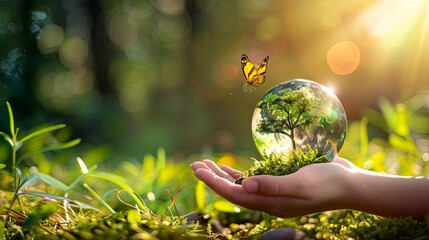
[(286, 110)]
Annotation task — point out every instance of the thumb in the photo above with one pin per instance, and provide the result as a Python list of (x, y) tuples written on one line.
[(270, 185)]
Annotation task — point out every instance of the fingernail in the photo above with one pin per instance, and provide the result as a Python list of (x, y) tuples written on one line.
[(250, 185)]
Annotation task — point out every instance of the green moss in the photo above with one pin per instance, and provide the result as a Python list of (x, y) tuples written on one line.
[(277, 166), (350, 224), (96, 226)]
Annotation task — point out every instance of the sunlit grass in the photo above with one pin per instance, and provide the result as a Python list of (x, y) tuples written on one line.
[(160, 198)]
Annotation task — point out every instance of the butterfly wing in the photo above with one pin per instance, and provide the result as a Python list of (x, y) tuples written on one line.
[(259, 78), (262, 69), (247, 67)]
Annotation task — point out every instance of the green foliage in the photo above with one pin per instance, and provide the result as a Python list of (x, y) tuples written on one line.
[(154, 175), (41, 213), (17, 142), (277, 166), (22, 181), (33, 210), (391, 140), (122, 183), (48, 209)]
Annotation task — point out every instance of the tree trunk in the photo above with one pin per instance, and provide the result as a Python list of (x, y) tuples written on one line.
[(292, 138)]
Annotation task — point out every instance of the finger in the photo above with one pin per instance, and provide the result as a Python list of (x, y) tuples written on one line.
[(209, 177), (216, 169), (197, 165), (232, 192), (344, 162), (232, 172), (272, 185)]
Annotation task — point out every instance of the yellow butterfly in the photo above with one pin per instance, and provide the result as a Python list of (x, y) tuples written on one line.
[(253, 73)]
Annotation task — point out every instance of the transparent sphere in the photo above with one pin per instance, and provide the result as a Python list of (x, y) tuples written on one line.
[(299, 114)]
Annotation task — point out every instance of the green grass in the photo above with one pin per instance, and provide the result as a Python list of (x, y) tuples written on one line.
[(48, 193)]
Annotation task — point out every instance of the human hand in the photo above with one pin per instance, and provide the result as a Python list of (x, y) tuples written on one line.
[(313, 188)]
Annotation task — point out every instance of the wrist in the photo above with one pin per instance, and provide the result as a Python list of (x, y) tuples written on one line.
[(388, 195), (351, 190)]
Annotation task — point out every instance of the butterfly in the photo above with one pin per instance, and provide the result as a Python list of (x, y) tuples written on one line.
[(253, 73)]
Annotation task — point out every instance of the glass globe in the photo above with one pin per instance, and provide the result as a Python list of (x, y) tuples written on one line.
[(299, 115)]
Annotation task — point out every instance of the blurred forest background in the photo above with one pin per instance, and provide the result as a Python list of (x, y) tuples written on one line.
[(129, 76)]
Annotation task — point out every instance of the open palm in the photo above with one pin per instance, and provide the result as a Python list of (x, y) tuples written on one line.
[(314, 188)]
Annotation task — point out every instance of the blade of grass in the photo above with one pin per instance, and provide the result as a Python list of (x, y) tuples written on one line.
[(82, 165), (402, 128), (225, 206), (93, 193), (18, 172), (109, 192), (363, 139), (76, 181), (200, 195), (120, 182), (7, 138), (52, 181), (2, 227), (53, 147), (388, 112), (11, 120), (55, 197), (28, 180), (42, 131), (148, 170), (161, 161), (82, 176)]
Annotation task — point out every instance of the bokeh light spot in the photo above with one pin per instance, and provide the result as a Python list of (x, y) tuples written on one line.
[(268, 29), (60, 88), (176, 7), (79, 81), (50, 39), (46, 84), (225, 76), (73, 52), (141, 11), (174, 30), (122, 31), (343, 57), (133, 98)]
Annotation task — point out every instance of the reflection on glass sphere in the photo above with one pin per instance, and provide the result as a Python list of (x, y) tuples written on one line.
[(299, 115)]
